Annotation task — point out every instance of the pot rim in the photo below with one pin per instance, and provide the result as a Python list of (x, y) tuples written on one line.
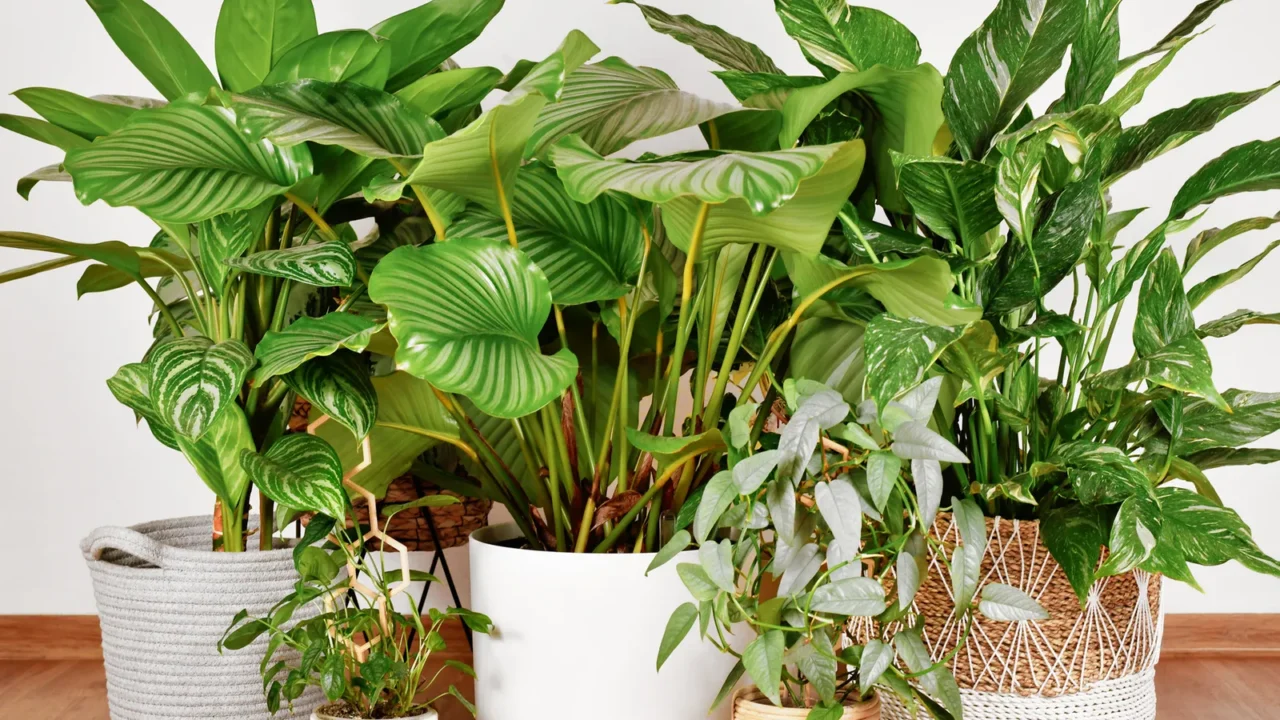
[(430, 714), (752, 694), (491, 535)]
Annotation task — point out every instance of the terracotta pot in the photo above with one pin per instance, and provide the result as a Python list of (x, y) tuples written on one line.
[(751, 704)]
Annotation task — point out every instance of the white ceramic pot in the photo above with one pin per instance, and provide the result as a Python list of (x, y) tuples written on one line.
[(576, 637), (428, 715)]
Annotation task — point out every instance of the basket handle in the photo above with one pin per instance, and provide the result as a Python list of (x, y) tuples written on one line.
[(126, 540)]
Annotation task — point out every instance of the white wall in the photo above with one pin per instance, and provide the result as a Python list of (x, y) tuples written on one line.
[(72, 460)]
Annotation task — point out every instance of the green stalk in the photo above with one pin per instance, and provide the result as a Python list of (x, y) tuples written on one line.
[(745, 306), (579, 414), (164, 309), (553, 478), (682, 332), (232, 528)]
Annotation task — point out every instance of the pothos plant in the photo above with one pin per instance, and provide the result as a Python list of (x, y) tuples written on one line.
[(799, 539), (364, 655)]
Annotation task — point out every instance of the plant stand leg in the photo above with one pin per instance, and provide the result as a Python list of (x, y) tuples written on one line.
[(438, 559)]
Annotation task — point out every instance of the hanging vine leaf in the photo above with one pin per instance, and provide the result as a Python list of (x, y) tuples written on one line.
[(330, 264), (301, 472), (193, 381)]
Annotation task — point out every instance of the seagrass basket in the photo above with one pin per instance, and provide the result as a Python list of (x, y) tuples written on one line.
[(751, 704), (454, 523), (1092, 662)]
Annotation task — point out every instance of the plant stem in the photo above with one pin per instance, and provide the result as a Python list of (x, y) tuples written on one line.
[(311, 212), (433, 215), (266, 521), (682, 335), (745, 305), (164, 309)]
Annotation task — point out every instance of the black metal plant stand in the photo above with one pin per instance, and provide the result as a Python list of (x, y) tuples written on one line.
[(438, 560)]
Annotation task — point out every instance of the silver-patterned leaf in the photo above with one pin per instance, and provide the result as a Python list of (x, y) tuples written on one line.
[(330, 264), (802, 566), (717, 559), (1005, 603), (967, 561), (883, 468), (898, 352), (841, 562), (907, 578), (301, 472), (914, 440), (216, 455), (193, 381), (781, 499), (860, 597), (938, 683), (719, 494), (131, 385), (338, 385), (841, 507), (847, 38), (750, 472), (281, 351), (876, 658)]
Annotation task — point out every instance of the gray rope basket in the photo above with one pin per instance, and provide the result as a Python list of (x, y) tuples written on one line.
[(164, 599)]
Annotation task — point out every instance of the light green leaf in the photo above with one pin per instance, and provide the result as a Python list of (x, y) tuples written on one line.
[(87, 117), (154, 47), (330, 264), (467, 304), (717, 559), (939, 682), (424, 37), (193, 381), (112, 253), (1075, 536), (1225, 457), (917, 288), (1130, 94), (762, 90), (847, 38), (1202, 243), (281, 351), (1250, 167), (1182, 365), (1232, 322), (216, 455), (1164, 314), (427, 501), (719, 494), (361, 119), (301, 472), (750, 472), (976, 357), (590, 252), (720, 47), (227, 236), (763, 661), (678, 543), (341, 56), (817, 662), (876, 658), (1005, 603), (1199, 14), (184, 163), (45, 132), (1253, 416), (883, 468), (907, 571), (253, 35), (681, 622), (441, 92), (696, 581), (339, 386), (999, 66), (855, 597), (131, 386), (898, 352), (841, 508), (956, 200), (611, 104), (1203, 290), (830, 351)]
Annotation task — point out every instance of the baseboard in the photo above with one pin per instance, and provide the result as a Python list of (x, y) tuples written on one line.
[(76, 637)]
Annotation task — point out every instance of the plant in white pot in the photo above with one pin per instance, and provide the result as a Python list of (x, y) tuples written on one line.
[(252, 275)]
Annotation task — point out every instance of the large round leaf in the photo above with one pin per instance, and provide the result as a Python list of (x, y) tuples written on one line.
[(184, 163), (193, 381), (588, 251), (467, 314), (301, 472)]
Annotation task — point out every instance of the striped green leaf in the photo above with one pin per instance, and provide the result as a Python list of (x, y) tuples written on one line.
[(184, 163), (341, 56), (1199, 531), (253, 35), (440, 92), (330, 264), (1164, 314), (131, 386), (713, 43), (1202, 290), (1253, 416), (467, 314), (216, 455), (785, 198), (588, 251), (48, 173), (359, 118), (1095, 56), (281, 351), (301, 472), (227, 236), (845, 38), (155, 47), (1131, 93), (86, 117), (193, 380), (45, 132), (1232, 322), (611, 104), (1251, 167), (424, 37), (548, 76), (339, 386)]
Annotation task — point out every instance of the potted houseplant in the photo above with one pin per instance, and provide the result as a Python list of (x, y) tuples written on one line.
[(369, 660), (251, 273), (1094, 476)]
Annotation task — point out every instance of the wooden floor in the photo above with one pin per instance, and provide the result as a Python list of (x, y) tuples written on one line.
[(1199, 688)]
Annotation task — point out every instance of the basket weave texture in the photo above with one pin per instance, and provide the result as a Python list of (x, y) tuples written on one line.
[(751, 704), (454, 523), (164, 600)]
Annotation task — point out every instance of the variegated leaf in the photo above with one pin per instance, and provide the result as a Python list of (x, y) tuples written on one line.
[(1199, 531), (228, 236), (330, 264), (847, 38), (467, 314), (339, 386), (216, 455), (1232, 322), (713, 43), (281, 351), (1252, 167), (611, 104), (955, 199), (193, 381), (898, 352), (1182, 365), (361, 119), (1207, 240), (184, 163), (301, 472), (1253, 415), (131, 385)]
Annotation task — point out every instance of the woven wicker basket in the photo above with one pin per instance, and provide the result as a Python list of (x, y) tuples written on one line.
[(751, 704), (164, 599), (454, 523), (1095, 662)]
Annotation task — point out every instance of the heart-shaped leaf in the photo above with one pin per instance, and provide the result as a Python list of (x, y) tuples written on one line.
[(301, 472), (193, 381), (339, 386), (1005, 603), (467, 314), (184, 163), (330, 264), (859, 596)]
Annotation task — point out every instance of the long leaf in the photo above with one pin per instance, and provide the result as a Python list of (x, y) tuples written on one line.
[(1201, 244), (253, 35), (112, 253), (281, 351), (216, 455), (330, 264), (955, 199), (1095, 56), (424, 37), (440, 92), (845, 38), (154, 47), (1250, 167), (1183, 29), (1203, 290), (713, 43), (86, 117), (45, 132), (341, 56)]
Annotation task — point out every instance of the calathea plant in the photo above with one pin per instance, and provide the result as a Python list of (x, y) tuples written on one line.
[(254, 267), (826, 509)]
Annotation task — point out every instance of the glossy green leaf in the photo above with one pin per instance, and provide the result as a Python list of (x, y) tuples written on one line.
[(301, 472), (1075, 536), (1253, 416), (467, 314), (678, 543), (918, 288), (359, 118), (898, 352), (131, 386), (1202, 243), (87, 117), (281, 351), (1203, 290), (105, 278), (883, 469), (848, 38), (876, 658), (1101, 474), (1095, 56), (440, 92), (1164, 314), (341, 56), (1133, 535), (112, 253), (1226, 457), (939, 682), (997, 68), (611, 104), (216, 455), (227, 236), (1208, 534), (1182, 365), (193, 380), (1131, 93), (678, 627), (1250, 167), (762, 659), (955, 199), (1017, 186), (339, 386), (764, 91), (45, 132), (330, 264), (253, 35), (1130, 268), (424, 37), (154, 47), (1188, 25), (589, 252), (715, 44), (184, 163), (1232, 322)]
